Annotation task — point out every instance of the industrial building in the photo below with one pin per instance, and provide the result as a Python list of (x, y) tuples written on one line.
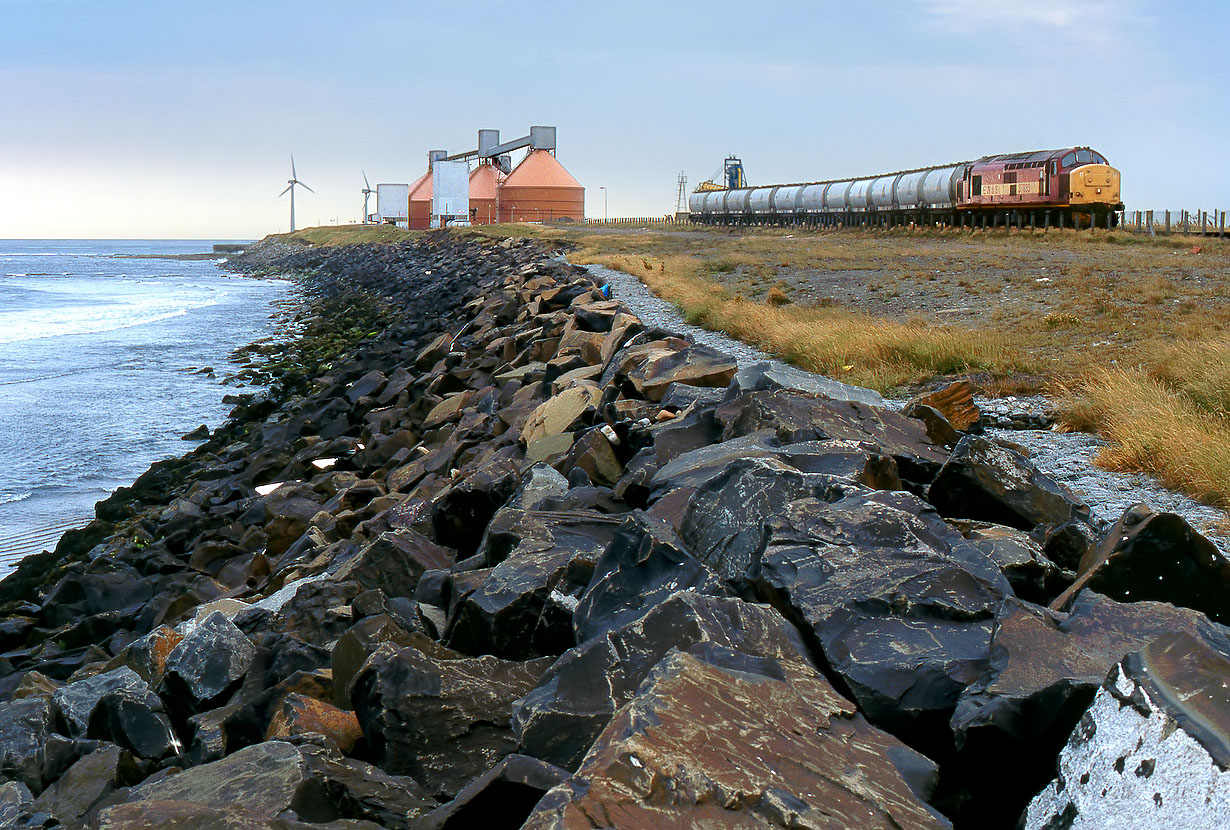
[(538, 189)]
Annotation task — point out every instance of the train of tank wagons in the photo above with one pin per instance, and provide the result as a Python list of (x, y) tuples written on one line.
[(1072, 187)]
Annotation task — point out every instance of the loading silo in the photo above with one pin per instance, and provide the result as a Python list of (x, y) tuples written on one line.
[(539, 189), (420, 194), (485, 181)]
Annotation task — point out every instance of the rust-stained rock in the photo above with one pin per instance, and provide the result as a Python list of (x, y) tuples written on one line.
[(954, 401), (1156, 556), (724, 740), (299, 715)]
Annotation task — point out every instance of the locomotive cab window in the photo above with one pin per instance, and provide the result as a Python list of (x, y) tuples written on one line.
[(1069, 160), (1084, 156)]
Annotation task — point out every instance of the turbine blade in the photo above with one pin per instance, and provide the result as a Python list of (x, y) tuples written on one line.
[(366, 183), (309, 190), (283, 193), (293, 174)]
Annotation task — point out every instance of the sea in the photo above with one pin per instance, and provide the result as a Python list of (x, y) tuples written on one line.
[(110, 352)]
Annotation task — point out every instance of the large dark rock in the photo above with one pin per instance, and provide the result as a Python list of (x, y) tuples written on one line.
[(991, 481), (394, 561), (87, 783), (436, 715), (134, 718), (79, 595), (724, 524), (902, 607), (24, 729), (644, 565), (499, 799), (795, 417), (770, 376), (207, 665), (267, 780), (75, 701), (576, 697), (1156, 556), (722, 739), (1020, 556)]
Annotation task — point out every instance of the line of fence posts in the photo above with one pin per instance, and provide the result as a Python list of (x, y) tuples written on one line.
[(1188, 223)]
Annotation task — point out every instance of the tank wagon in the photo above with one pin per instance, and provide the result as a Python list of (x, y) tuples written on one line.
[(1074, 186)]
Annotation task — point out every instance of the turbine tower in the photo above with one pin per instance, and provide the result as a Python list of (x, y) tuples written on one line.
[(290, 188), (367, 191)]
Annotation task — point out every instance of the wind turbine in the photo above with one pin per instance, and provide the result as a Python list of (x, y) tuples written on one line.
[(367, 191), (294, 180)]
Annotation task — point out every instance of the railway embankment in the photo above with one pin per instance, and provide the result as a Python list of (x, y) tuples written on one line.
[(494, 550)]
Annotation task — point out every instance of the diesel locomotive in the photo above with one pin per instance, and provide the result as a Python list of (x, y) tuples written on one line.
[(1074, 187)]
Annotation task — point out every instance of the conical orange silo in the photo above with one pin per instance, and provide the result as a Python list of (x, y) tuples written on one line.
[(485, 181), (420, 203), (539, 189)]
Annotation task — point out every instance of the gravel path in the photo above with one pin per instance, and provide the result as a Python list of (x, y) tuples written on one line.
[(1068, 457)]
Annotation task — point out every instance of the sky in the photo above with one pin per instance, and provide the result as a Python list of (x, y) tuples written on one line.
[(135, 119)]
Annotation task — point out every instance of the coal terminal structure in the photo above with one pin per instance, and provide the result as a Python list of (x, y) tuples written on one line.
[(493, 552)]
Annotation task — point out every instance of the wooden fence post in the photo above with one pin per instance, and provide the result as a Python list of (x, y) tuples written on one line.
[(1167, 223)]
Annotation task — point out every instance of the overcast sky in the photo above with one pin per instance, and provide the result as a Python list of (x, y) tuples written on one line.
[(125, 118)]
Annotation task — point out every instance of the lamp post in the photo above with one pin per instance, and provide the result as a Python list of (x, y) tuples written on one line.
[(603, 189)]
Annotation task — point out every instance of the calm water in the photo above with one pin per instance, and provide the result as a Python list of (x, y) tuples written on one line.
[(97, 357)]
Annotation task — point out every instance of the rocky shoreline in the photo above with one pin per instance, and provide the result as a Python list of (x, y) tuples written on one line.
[(494, 551)]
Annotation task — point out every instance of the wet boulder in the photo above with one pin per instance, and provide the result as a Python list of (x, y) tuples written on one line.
[(902, 607), (577, 695), (1020, 556), (692, 364), (724, 739), (437, 715), (1156, 556)]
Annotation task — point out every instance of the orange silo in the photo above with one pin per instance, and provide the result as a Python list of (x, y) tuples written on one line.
[(485, 181), (539, 189)]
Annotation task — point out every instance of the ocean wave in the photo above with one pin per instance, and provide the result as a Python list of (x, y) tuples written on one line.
[(15, 498), (34, 330)]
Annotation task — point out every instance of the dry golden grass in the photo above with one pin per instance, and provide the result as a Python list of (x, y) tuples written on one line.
[(1157, 427), (858, 348)]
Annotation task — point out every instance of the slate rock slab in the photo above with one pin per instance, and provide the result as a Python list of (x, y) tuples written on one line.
[(577, 695), (644, 565), (75, 701), (991, 481), (726, 740), (266, 779), (439, 716), (902, 607)]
